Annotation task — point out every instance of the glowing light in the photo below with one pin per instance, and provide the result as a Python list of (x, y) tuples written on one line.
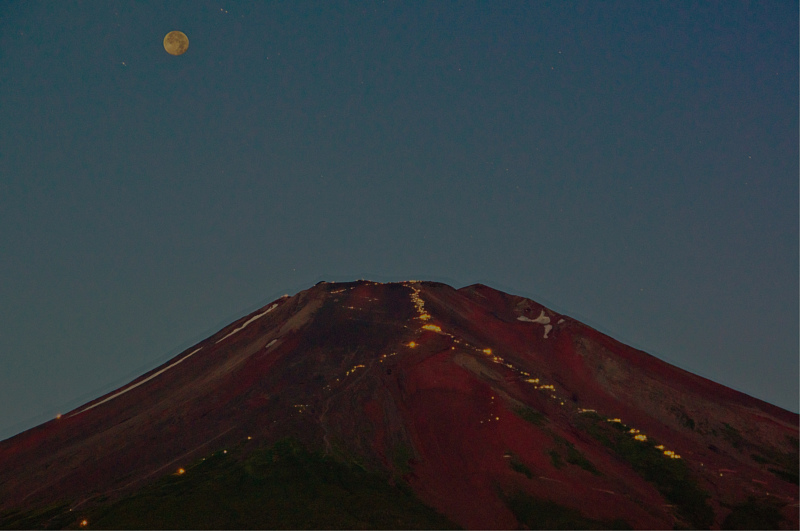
[(669, 453), (348, 372), (497, 418), (181, 471), (532, 380), (84, 523), (487, 351), (58, 416), (419, 304), (660, 447), (582, 410), (249, 438), (433, 328), (614, 420), (412, 344), (633, 430), (640, 437)]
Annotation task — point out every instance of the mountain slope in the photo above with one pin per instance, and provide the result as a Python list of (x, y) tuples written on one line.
[(491, 408)]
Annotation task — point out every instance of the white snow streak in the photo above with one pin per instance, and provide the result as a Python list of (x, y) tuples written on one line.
[(250, 321), (137, 384), (271, 343), (542, 319)]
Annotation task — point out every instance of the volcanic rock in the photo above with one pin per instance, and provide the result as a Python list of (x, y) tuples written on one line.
[(493, 410)]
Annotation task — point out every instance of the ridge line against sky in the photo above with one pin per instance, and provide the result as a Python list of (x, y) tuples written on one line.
[(632, 165)]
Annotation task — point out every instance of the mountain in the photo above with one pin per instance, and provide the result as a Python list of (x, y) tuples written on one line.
[(408, 404)]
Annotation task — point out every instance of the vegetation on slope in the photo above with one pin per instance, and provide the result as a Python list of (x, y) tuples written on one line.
[(280, 487), (534, 417), (671, 477), (785, 465), (755, 513), (55, 516), (564, 451), (572, 455), (543, 514)]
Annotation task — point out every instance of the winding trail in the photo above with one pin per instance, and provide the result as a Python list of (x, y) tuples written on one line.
[(327, 403), (159, 469)]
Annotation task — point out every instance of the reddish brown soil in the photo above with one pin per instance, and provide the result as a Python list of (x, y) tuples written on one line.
[(335, 367)]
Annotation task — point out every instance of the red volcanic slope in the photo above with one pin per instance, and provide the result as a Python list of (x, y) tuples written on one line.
[(418, 370)]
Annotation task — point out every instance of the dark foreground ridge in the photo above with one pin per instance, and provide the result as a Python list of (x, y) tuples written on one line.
[(408, 405)]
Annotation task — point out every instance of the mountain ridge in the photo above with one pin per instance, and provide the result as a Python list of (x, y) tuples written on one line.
[(464, 395)]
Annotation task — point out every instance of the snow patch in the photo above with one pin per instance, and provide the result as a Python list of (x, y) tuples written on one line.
[(137, 384), (560, 321), (271, 343), (249, 321), (542, 319)]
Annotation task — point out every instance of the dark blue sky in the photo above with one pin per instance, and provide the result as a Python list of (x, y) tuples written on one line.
[(631, 164)]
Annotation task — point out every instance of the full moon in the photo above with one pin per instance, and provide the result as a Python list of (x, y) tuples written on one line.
[(176, 43)]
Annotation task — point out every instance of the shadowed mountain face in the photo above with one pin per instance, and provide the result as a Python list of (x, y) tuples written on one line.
[(488, 408)]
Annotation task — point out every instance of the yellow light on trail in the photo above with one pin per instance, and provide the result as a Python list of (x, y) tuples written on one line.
[(434, 328), (181, 471)]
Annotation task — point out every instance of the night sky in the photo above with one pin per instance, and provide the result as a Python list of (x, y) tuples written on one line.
[(631, 164)]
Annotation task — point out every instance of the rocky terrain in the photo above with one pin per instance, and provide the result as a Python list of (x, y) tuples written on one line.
[(408, 404)]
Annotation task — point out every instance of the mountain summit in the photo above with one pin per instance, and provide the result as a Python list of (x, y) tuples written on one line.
[(408, 404)]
